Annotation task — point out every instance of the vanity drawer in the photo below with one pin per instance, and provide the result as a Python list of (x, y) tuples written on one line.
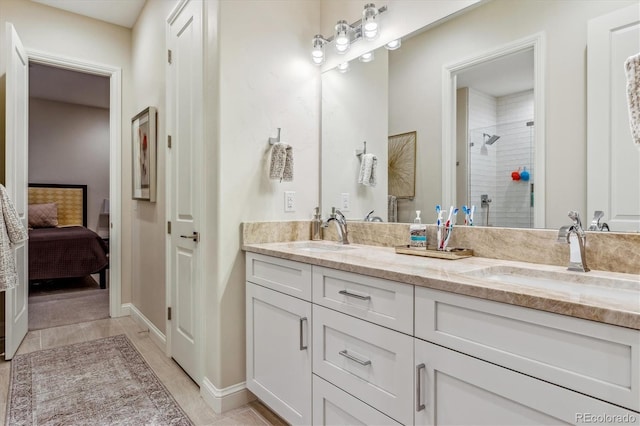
[(370, 362), (285, 276), (596, 359), (333, 406), (380, 301)]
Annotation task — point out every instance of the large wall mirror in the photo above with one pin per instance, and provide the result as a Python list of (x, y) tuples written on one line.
[(514, 134)]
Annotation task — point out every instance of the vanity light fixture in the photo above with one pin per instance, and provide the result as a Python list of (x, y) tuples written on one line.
[(366, 57), (343, 67), (393, 45), (345, 34), (317, 52)]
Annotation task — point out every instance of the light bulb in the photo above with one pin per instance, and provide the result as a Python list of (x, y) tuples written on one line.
[(366, 57), (317, 52), (370, 21), (342, 37), (393, 45), (343, 67)]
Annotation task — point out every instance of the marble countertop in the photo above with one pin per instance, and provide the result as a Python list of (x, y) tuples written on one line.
[(607, 297)]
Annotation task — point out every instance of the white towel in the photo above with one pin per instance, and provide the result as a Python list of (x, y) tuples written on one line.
[(11, 232), (392, 206), (367, 175), (632, 68), (281, 167)]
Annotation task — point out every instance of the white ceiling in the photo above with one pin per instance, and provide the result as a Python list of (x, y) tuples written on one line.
[(503, 76), (119, 12), (57, 84)]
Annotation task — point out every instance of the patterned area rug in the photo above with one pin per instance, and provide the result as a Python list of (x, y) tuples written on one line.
[(101, 382)]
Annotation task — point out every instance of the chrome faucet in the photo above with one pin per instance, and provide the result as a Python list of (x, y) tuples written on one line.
[(575, 236), (370, 218), (341, 224), (595, 223)]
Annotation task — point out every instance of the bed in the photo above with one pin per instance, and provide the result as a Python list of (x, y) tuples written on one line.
[(60, 244)]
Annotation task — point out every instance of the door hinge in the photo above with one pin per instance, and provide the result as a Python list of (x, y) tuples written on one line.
[(169, 55), (169, 140), (169, 227), (169, 312)]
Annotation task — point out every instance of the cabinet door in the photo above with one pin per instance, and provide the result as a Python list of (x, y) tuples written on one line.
[(279, 352), (456, 389), (333, 406)]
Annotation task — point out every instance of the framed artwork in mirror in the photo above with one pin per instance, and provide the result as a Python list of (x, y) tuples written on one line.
[(402, 165), (143, 138)]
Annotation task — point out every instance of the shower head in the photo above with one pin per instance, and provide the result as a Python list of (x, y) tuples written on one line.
[(492, 138)]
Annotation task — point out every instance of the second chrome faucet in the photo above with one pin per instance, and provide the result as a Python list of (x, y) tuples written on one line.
[(577, 239)]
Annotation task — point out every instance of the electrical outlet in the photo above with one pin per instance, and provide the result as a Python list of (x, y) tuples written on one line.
[(289, 201), (345, 204)]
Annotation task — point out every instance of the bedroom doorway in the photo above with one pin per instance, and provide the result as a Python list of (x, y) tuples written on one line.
[(69, 146), (15, 330)]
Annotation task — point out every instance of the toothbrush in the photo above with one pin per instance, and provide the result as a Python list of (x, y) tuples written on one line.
[(439, 212), (450, 229), (446, 230), (466, 211), (473, 209)]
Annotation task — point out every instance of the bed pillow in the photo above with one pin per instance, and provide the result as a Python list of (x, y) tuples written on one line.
[(43, 215)]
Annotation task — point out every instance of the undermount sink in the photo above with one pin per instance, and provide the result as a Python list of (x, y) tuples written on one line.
[(592, 285), (323, 247)]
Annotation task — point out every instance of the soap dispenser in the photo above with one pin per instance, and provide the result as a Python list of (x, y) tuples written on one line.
[(316, 225), (418, 232)]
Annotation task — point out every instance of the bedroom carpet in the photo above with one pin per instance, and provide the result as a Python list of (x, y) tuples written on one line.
[(99, 382), (64, 302)]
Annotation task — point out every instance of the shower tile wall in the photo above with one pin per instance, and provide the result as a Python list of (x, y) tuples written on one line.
[(483, 114), (491, 167), (515, 150)]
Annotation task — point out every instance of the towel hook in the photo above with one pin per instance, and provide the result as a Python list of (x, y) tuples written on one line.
[(275, 140), (359, 152)]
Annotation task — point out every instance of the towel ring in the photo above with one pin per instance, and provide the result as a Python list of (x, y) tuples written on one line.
[(359, 152), (275, 140)]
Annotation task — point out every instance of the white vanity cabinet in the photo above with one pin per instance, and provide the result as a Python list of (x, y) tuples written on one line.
[(328, 347), (279, 336)]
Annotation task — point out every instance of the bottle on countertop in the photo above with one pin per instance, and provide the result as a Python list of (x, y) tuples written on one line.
[(418, 232), (316, 225)]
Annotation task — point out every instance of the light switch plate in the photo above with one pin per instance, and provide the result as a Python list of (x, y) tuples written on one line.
[(289, 201)]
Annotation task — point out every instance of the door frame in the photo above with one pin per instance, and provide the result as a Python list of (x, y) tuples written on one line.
[(449, 86), (115, 162)]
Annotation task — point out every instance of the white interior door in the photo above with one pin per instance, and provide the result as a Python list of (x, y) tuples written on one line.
[(613, 161), (16, 178), (185, 125)]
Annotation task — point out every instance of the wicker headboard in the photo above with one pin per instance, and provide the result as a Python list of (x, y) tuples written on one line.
[(71, 200)]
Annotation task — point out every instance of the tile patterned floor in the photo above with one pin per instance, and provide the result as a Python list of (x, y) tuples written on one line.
[(183, 389)]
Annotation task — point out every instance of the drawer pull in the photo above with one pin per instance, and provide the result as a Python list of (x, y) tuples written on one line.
[(357, 296), (353, 358), (302, 345), (419, 405)]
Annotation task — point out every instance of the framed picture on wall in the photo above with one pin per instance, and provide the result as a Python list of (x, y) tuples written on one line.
[(402, 165), (143, 137)]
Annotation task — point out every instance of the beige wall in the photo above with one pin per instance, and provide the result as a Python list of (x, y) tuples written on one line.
[(148, 220), (65, 34), (266, 81), (69, 144), (488, 27)]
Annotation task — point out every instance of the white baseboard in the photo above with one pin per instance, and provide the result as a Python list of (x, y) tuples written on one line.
[(155, 334), (221, 400)]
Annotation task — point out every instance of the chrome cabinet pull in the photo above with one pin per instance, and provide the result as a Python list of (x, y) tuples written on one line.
[(419, 405), (357, 296), (302, 345), (353, 358), (195, 236)]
